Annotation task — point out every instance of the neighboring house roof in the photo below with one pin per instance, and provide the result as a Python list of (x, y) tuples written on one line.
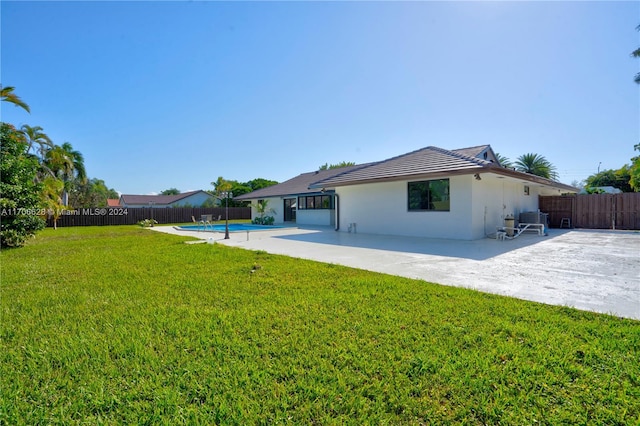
[(155, 199), (297, 185), (111, 202), (430, 162), (606, 189)]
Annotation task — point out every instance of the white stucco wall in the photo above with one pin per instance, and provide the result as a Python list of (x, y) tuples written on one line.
[(322, 217), (382, 209), (498, 197), (275, 203), (477, 207)]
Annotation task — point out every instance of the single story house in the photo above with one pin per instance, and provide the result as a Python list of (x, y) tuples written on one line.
[(432, 192), (295, 202), (186, 199)]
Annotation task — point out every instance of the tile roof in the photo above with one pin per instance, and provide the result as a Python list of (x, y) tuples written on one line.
[(474, 151), (155, 199), (429, 160), (297, 185), (113, 202)]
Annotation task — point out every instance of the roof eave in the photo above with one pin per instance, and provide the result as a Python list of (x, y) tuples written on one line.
[(466, 171), (531, 178), (246, 197)]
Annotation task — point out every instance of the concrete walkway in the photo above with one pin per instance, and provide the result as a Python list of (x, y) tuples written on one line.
[(586, 269)]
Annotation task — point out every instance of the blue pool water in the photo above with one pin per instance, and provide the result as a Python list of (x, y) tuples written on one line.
[(233, 227)]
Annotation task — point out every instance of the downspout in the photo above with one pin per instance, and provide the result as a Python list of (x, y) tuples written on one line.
[(337, 208)]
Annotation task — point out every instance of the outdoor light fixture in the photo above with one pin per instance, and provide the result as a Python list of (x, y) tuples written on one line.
[(477, 176), (226, 195)]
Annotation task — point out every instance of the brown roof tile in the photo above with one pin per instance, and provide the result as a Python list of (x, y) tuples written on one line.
[(297, 185), (429, 160)]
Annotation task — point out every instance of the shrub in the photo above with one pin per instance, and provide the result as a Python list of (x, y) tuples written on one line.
[(20, 199), (264, 220), (148, 223)]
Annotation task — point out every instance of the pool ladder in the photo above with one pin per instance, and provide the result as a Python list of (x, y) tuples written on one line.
[(204, 224)]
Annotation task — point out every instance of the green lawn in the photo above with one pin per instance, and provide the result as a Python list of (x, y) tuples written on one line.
[(122, 325)]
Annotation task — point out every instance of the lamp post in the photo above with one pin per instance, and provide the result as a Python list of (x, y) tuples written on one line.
[(151, 211), (226, 195)]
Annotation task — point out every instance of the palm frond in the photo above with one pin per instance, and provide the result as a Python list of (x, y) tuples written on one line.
[(7, 95)]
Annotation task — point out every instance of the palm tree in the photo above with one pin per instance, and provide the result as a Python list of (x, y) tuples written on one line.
[(636, 54), (7, 95), (262, 208), (65, 163), (536, 164), (78, 161), (504, 161), (35, 136), (221, 185), (51, 188)]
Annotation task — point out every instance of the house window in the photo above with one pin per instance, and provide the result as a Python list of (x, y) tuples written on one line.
[(315, 202), (526, 190), (429, 195)]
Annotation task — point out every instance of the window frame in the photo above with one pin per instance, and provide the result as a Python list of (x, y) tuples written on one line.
[(315, 202), (426, 196)]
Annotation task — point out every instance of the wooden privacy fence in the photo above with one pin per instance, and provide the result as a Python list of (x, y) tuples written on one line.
[(594, 211), (130, 216)]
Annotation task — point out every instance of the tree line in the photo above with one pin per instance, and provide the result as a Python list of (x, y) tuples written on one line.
[(40, 178)]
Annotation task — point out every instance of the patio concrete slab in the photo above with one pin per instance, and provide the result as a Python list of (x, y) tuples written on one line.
[(587, 269)]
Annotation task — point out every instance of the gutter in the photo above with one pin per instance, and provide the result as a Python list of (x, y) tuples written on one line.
[(337, 209)]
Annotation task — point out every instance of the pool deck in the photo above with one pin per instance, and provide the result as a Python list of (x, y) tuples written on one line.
[(587, 269)]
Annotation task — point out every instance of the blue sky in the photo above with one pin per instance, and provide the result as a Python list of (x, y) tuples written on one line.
[(174, 94)]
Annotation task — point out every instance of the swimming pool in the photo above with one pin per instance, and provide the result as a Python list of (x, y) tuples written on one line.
[(233, 227)]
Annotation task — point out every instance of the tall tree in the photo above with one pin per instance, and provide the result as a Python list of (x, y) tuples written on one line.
[(260, 183), (66, 164), (7, 95), (617, 178), (504, 161), (634, 170), (636, 54), (170, 191), (222, 185), (327, 166), (36, 138), (90, 193), (536, 164)]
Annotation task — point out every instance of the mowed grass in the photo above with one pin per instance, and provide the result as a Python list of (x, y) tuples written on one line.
[(122, 325)]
